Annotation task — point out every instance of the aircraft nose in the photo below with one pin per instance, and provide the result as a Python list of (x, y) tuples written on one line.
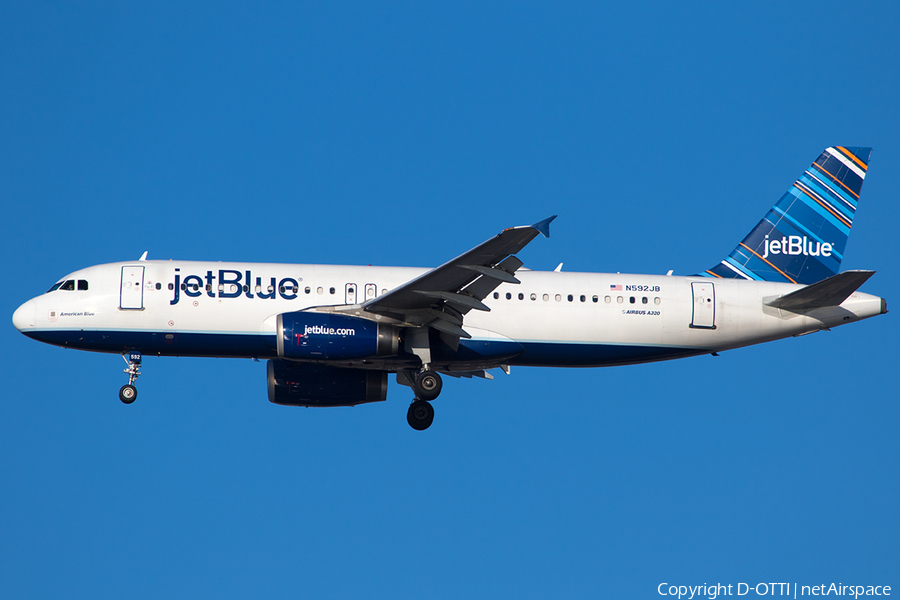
[(23, 318)]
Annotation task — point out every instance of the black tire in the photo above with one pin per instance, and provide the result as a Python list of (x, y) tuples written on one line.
[(420, 415), (427, 385), (128, 394)]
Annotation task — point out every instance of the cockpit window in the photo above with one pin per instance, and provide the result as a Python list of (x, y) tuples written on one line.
[(55, 287), (82, 285), (68, 285)]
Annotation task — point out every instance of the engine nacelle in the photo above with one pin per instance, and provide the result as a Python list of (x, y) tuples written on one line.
[(328, 336), (305, 384)]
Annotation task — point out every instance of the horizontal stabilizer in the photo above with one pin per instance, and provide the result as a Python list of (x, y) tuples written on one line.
[(828, 292)]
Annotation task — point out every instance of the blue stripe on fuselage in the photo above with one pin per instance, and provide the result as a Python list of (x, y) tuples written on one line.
[(235, 345)]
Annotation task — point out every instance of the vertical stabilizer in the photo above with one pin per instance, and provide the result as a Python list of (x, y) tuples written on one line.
[(802, 238)]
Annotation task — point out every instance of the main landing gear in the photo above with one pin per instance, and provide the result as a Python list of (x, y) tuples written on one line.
[(427, 386), (128, 393)]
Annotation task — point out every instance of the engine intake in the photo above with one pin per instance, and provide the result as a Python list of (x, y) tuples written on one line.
[(327, 336), (305, 384)]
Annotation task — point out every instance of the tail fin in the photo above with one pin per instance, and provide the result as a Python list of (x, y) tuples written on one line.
[(802, 238)]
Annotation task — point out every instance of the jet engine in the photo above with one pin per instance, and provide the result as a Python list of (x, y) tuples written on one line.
[(328, 336), (306, 384)]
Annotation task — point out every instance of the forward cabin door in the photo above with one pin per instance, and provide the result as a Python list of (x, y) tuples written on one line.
[(704, 313), (131, 296)]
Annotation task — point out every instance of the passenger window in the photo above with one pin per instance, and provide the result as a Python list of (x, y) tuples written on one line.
[(83, 285), (331, 291), (208, 287), (307, 290), (496, 295), (521, 296), (607, 299), (222, 287), (546, 297), (571, 297), (158, 285), (171, 286), (595, 299), (508, 296), (534, 297), (319, 290), (644, 300), (656, 301), (558, 298), (619, 299), (631, 299), (582, 298), (183, 287)]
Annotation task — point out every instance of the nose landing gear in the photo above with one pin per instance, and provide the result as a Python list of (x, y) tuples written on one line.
[(128, 393)]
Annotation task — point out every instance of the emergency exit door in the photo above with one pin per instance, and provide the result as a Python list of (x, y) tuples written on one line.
[(704, 313), (350, 293), (131, 295)]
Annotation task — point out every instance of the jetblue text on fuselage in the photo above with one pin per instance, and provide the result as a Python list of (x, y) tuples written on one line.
[(220, 286), (795, 245)]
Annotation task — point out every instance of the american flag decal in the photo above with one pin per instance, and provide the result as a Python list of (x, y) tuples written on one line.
[(615, 288)]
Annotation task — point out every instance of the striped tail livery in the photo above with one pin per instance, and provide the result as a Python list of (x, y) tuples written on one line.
[(802, 238)]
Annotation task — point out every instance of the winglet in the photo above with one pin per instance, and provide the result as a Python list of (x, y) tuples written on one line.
[(544, 226)]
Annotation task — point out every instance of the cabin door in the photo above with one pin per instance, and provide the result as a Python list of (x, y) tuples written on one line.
[(131, 295), (704, 312)]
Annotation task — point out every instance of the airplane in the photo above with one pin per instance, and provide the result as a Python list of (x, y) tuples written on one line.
[(331, 334)]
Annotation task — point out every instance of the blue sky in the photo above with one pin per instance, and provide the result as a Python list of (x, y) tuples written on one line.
[(404, 134)]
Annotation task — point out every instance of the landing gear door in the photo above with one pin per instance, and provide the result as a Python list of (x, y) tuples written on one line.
[(704, 307), (131, 294)]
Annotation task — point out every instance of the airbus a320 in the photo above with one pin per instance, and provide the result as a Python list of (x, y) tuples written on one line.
[(331, 335)]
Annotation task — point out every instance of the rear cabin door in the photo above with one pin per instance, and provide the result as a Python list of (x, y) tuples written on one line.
[(131, 295), (350, 293), (704, 313)]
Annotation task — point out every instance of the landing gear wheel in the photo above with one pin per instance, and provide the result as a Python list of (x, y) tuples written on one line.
[(420, 415), (128, 394), (427, 385)]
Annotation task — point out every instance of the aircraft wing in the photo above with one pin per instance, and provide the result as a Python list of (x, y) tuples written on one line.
[(440, 297)]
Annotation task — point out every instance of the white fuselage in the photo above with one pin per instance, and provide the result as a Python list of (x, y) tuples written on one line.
[(560, 319)]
